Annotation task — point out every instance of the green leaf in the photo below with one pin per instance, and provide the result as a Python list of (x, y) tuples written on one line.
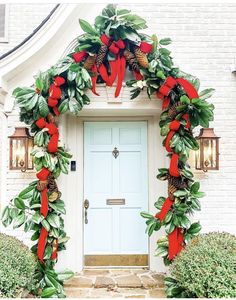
[(86, 27), (165, 41), (53, 220), (65, 275), (146, 215), (161, 251), (48, 292), (184, 99), (207, 93), (37, 218), (19, 203), (23, 194), (194, 229), (45, 224), (63, 107), (43, 106), (195, 187), (19, 220), (185, 222), (160, 74), (181, 193)]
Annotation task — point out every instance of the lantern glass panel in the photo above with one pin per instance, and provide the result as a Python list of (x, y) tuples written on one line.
[(18, 151), (30, 158), (198, 158), (209, 153)]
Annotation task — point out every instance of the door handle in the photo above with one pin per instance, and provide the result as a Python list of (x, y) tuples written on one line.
[(86, 206)]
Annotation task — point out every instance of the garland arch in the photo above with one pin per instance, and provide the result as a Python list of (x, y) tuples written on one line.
[(102, 54)]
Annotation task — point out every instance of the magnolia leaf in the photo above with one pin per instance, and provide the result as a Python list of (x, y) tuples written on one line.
[(19, 203), (86, 27), (207, 93), (43, 106), (165, 41), (53, 220), (48, 292), (65, 275), (19, 220)]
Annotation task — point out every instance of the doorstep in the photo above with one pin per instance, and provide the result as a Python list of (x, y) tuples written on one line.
[(116, 283)]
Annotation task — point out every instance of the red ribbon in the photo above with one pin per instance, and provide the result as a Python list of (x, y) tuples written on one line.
[(121, 74), (164, 210), (42, 243), (145, 47), (43, 174), (94, 79), (175, 242), (44, 203), (53, 131), (138, 75), (79, 56), (174, 170)]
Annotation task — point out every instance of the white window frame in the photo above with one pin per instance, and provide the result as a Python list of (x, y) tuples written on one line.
[(5, 38)]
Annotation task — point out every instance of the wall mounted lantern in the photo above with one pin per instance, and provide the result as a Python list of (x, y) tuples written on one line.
[(207, 157), (21, 144)]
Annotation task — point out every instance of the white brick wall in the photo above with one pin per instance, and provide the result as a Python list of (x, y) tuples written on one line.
[(204, 44), (22, 19)]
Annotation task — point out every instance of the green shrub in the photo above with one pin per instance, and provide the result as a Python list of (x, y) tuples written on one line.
[(17, 267), (205, 268)]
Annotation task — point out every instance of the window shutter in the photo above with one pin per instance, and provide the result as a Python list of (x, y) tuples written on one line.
[(2, 20)]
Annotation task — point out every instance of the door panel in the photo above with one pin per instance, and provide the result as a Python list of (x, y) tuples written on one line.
[(115, 229)]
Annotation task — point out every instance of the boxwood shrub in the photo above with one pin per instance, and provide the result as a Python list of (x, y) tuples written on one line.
[(205, 268), (17, 267)]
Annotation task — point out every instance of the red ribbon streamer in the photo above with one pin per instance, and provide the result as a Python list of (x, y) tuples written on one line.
[(175, 242), (164, 210), (121, 75), (94, 79), (44, 203), (42, 243), (174, 170)]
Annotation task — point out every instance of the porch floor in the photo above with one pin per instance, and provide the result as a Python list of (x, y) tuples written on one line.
[(116, 283)]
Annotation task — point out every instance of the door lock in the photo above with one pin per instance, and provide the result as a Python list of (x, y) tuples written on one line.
[(86, 206)]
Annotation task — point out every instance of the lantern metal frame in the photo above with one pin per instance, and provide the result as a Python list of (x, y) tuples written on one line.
[(21, 134), (206, 134)]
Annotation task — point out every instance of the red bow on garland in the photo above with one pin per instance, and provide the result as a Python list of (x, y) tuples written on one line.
[(176, 237)]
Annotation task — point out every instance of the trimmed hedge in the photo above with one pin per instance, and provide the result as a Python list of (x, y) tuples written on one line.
[(17, 267), (205, 268)]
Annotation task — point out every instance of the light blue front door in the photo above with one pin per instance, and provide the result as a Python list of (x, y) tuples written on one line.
[(116, 188)]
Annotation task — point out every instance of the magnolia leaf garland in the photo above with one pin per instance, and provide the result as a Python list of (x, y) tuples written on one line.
[(102, 54)]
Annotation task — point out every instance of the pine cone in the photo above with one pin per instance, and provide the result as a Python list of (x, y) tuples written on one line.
[(101, 55), (174, 184), (52, 185), (141, 57), (41, 185), (172, 113), (131, 59), (171, 190), (90, 61)]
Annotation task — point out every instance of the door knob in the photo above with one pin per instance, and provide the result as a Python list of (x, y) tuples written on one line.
[(86, 206)]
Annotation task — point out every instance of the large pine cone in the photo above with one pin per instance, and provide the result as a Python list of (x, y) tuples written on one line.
[(90, 61), (172, 113), (101, 55), (141, 57), (131, 59)]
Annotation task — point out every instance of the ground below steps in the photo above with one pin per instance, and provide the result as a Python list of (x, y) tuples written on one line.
[(116, 283)]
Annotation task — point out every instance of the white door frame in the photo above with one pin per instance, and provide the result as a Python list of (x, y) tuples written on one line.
[(72, 131)]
